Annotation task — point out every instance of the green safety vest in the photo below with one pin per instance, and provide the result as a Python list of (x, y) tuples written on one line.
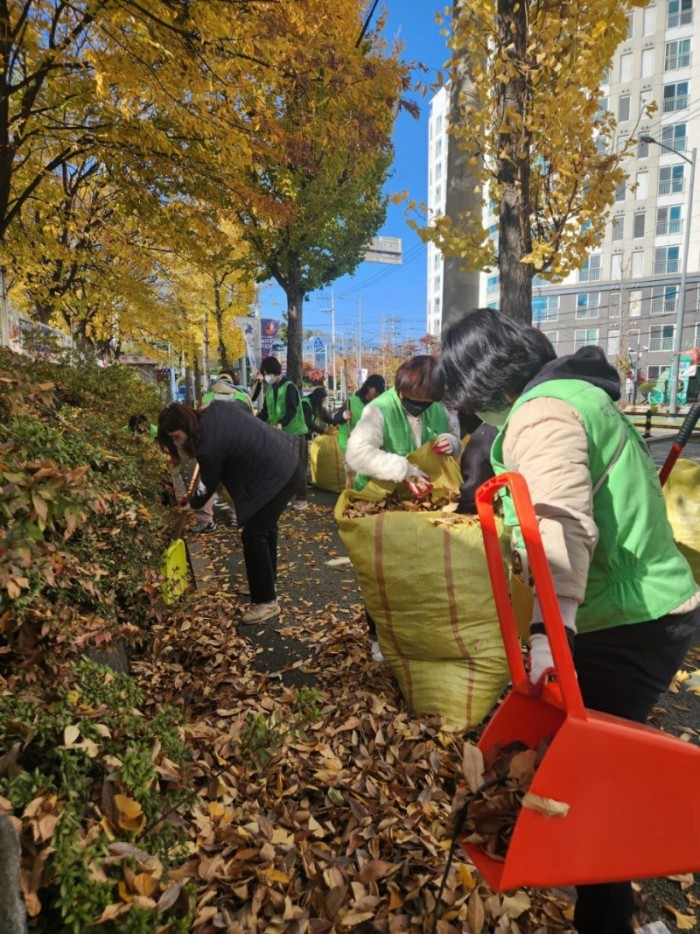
[(276, 405), (637, 573), (356, 408), (398, 437)]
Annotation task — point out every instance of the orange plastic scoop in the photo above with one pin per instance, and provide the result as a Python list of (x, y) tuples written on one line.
[(631, 791)]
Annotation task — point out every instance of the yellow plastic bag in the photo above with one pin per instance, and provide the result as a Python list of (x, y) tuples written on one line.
[(425, 582), (174, 571), (682, 495), (326, 459)]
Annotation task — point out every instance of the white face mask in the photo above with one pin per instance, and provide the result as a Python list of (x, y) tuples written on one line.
[(495, 418), (270, 379)]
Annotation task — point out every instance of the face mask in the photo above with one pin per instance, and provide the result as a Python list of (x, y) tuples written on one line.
[(494, 418), (414, 407), (270, 379)]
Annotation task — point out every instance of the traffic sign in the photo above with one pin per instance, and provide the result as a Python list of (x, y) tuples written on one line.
[(318, 344)]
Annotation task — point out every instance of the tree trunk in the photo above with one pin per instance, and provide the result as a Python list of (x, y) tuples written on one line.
[(295, 304), (197, 379), (513, 97), (219, 318), (460, 286)]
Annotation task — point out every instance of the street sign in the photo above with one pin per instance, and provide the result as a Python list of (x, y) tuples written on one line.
[(385, 250), (318, 343)]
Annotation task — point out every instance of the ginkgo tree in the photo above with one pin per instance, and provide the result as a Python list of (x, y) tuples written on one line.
[(538, 141)]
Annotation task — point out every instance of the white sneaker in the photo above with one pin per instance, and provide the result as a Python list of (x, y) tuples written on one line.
[(377, 653), (299, 504), (259, 612)]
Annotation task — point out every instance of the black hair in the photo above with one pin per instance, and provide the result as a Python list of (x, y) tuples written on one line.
[(316, 397), (374, 381), (488, 358), (138, 424), (178, 417), (271, 366)]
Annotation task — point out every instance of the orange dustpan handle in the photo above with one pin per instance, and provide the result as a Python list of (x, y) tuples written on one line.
[(554, 627)]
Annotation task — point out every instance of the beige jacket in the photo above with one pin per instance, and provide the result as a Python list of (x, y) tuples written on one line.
[(547, 443)]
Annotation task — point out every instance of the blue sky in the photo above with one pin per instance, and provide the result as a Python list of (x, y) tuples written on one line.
[(389, 292)]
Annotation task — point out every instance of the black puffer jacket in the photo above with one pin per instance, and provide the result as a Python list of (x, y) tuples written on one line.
[(252, 460)]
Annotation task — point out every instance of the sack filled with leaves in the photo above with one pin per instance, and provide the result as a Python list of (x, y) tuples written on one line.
[(425, 582), (326, 460), (682, 495)]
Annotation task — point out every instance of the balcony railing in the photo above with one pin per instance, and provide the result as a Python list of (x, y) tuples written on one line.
[(671, 186), (663, 306), (591, 274), (662, 267), (674, 226), (681, 18), (661, 343), (679, 102)]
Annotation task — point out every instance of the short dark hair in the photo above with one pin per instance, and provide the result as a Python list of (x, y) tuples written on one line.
[(271, 366), (415, 378), (374, 381), (488, 358), (178, 417)]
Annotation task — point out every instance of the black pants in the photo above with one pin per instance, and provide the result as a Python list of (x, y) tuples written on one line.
[(301, 492), (259, 539), (622, 671)]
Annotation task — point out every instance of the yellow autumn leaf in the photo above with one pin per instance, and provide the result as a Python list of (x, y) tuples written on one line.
[(466, 877), (131, 817), (144, 884), (71, 735), (683, 922)]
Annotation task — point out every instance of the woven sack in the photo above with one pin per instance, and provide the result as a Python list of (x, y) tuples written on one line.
[(682, 495), (425, 582), (326, 460)]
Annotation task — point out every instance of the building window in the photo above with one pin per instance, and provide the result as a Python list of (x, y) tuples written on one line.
[(613, 342), (552, 337), (648, 62), (661, 337), (639, 224), (623, 107), (590, 271), (626, 67), (635, 299), (438, 170), (637, 264), (649, 21), (696, 339), (641, 190), (545, 308), (664, 299), (616, 266), (653, 373), (671, 179), (666, 260), (602, 107), (677, 54), (585, 338), (614, 309), (680, 12), (642, 149), (492, 284), (587, 304), (675, 136), (630, 25), (675, 96), (618, 226), (621, 190), (669, 220), (438, 193), (436, 305)]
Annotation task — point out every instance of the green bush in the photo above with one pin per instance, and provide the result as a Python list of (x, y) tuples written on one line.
[(88, 769)]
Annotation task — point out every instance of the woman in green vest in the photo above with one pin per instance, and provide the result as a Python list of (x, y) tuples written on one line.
[(397, 423), (392, 426), (282, 409), (627, 596), (349, 415)]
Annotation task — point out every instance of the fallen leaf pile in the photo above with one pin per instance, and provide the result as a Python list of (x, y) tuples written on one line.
[(394, 502), (499, 786)]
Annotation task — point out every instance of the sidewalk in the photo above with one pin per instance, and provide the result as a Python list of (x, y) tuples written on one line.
[(316, 591)]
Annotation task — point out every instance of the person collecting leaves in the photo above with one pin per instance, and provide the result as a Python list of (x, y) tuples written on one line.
[(260, 470), (398, 422), (393, 425), (627, 596), (282, 409)]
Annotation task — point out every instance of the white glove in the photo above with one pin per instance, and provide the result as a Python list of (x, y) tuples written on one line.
[(446, 444), (541, 662), (414, 473)]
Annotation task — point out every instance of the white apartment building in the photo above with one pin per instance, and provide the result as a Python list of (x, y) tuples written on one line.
[(437, 187), (626, 296)]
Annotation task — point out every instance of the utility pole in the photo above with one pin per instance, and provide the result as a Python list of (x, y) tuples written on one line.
[(335, 379)]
